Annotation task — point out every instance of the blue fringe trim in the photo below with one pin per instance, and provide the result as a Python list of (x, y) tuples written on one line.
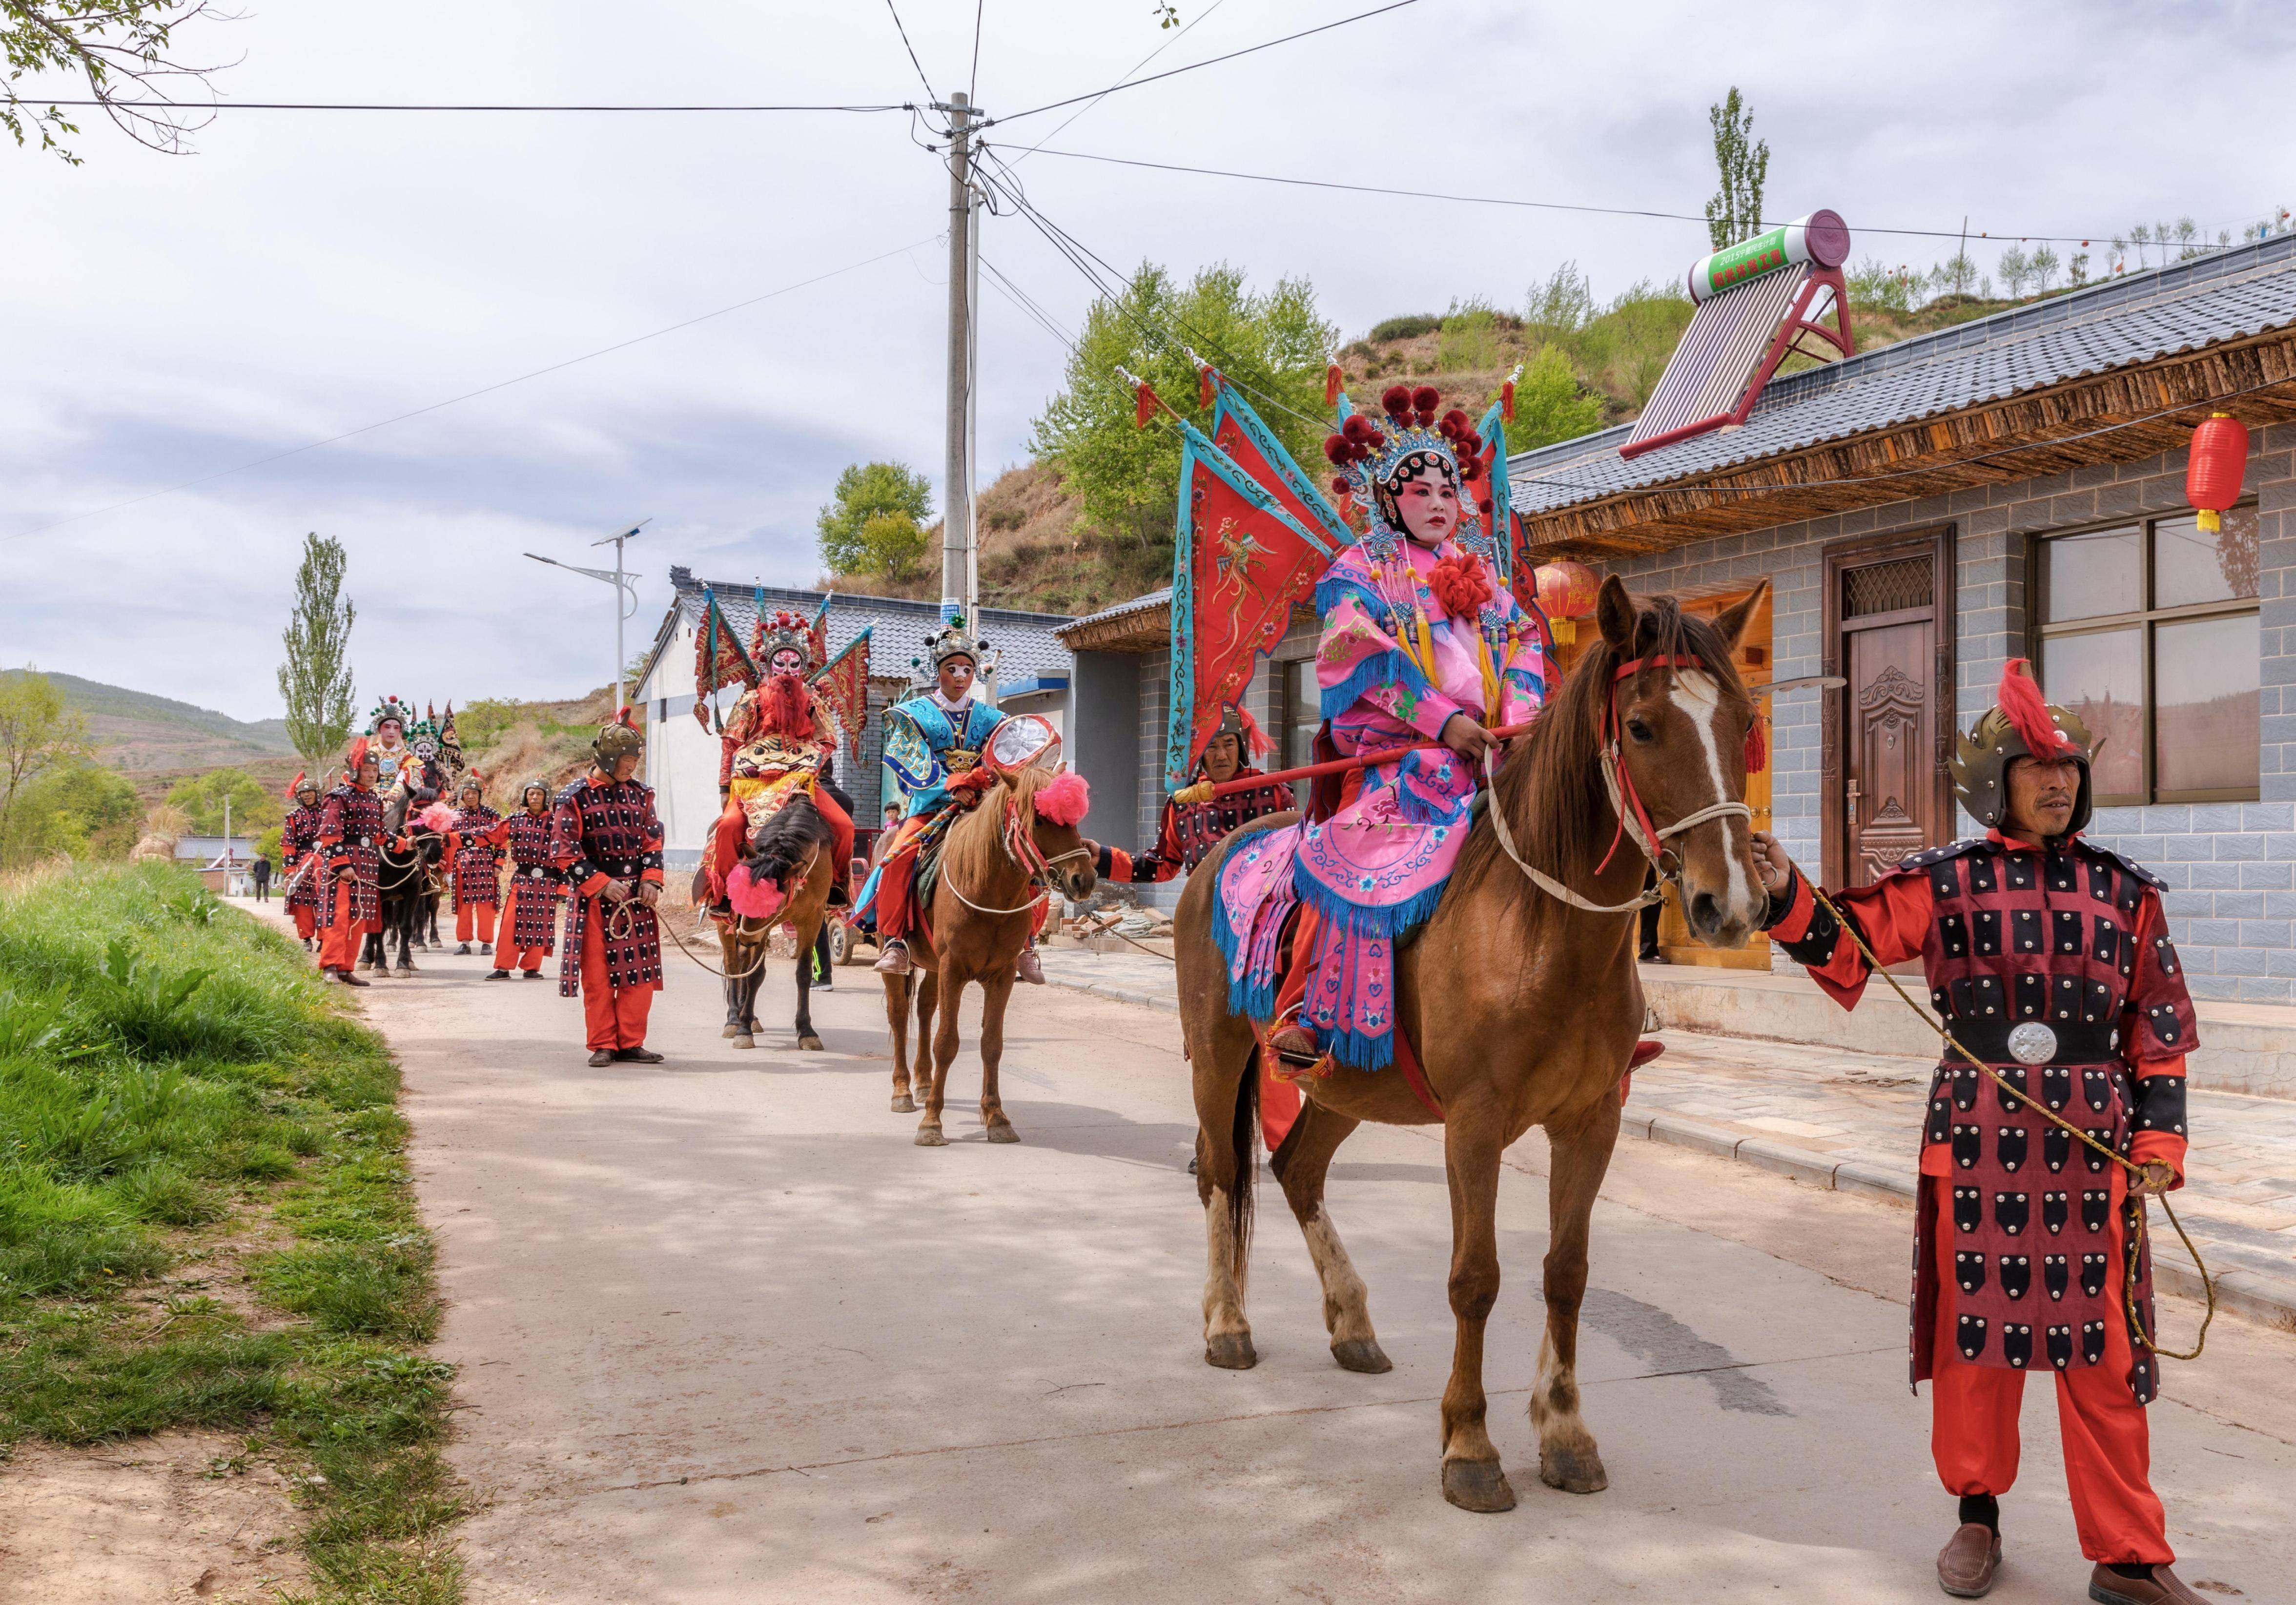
[(1361, 1052), (1253, 1000), (1390, 921), (1381, 669), (1333, 587)]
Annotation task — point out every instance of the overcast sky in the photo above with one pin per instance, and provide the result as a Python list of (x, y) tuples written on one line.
[(305, 274)]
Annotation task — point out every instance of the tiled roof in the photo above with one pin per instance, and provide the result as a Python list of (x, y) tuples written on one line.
[(1024, 643), (2224, 295), (1123, 610)]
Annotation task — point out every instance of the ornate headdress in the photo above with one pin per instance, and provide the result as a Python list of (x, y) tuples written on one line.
[(1376, 458), (952, 640), (2018, 725), (390, 708), (617, 740), (422, 734), (783, 632)]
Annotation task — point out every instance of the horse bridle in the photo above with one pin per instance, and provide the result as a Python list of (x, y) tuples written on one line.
[(1020, 848), (1634, 820)]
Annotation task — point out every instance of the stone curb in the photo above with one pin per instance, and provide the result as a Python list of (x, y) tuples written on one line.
[(2268, 1298), (1168, 1003)]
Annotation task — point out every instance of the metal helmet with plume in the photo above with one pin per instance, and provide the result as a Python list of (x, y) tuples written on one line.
[(2021, 723), (617, 740)]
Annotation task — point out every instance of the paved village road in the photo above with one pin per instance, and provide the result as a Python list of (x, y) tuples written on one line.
[(725, 1334)]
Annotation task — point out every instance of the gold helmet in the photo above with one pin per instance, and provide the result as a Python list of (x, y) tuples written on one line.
[(617, 740), (2018, 725)]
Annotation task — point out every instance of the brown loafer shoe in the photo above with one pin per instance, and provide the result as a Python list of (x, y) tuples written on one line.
[(602, 1058), (2107, 1586), (637, 1055), (1967, 1562), (894, 962)]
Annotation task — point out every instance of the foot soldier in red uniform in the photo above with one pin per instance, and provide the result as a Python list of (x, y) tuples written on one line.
[(299, 834), (605, 841), (1189, 831), (528, 929), (2049, 959), (478, 878), (350, 846)]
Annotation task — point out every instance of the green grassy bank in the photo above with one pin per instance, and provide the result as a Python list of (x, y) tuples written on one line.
[(206, 1220)]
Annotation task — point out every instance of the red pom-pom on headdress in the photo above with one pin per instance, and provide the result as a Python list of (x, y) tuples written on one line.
[(2019, 698), (1335, 447), (1063, 800), (1357, 428), (1396, 399), (1426, 398)]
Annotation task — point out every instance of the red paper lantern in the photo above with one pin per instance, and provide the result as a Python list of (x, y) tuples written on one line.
[(1566, 591), (2212, 474)]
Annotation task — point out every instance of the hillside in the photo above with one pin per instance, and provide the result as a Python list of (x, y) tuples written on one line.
[(138, 732), (1037, 554)]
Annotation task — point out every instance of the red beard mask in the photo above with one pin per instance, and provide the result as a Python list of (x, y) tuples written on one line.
[(788, 707)]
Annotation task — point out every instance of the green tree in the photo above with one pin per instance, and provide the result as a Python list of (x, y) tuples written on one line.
[(118, 50), (76, 807), (1742, 164), (895, 544), (38, 734), (867, 491), (1272, 345), (1550, 404), (315, 680), (201, 797)]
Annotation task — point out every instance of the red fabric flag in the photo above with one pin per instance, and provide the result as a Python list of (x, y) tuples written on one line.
[(846, 684)]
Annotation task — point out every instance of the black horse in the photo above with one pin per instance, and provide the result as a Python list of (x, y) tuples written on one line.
[(789, 851), (406, 885)]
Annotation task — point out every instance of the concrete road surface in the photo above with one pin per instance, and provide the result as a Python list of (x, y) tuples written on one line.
[(725, 1334)]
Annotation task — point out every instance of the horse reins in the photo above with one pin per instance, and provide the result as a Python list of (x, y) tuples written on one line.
[(1020, 847), (1635, 822), (2136, 1238)]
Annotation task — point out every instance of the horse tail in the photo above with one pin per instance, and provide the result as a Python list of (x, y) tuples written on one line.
[(1243, 1133)]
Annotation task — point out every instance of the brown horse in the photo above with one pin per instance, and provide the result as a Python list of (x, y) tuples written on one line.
[(984, 907), (793, 850), (1539, 1009)]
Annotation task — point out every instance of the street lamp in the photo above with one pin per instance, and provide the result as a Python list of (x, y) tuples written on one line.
[(625, 604)]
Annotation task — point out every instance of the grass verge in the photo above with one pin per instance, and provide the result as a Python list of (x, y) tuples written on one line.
[(180, 1101)]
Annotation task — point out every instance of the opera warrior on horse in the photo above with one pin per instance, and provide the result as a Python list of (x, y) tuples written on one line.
[(2049, 959), (1308, 946)]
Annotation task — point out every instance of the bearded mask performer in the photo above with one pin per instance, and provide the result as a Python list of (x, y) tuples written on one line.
[(1420, 641), (779, 729), (478, 880), (1189, 831), (299, 834), (350, 843), (605, 841), (2050, 960), (528, 929), (933, 744)]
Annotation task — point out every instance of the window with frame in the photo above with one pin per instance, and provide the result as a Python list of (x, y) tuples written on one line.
[(1299, 715), (2148, 631)]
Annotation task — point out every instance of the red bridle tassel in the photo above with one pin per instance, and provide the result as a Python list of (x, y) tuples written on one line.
[(1757, 746)]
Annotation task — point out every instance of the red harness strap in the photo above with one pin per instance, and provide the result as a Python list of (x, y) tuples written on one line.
[(1633, 666), (1413, 1076)]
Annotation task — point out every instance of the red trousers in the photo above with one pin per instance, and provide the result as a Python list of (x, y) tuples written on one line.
[(481, 915), (339, 944), (615, 1017), (306, 920), (529, 959), (896, 870), (732, 834), (2108, 1455)]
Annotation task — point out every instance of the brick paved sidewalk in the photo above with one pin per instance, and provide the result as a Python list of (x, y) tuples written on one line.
[(1851, 1122)]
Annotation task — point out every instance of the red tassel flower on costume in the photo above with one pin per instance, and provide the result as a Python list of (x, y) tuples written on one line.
[(1461, 586)]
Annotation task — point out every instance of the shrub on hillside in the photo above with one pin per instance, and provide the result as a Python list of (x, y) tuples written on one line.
[(1410, 327)]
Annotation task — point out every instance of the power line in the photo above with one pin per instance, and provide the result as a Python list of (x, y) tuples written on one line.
[(154, 108), (973, 83), (1548, 206), (470, 395), (1211, 61), (912, 49), (1127, 78)]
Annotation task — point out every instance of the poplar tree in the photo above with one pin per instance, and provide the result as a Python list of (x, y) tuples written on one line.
[(315, 680), (1742, 163)]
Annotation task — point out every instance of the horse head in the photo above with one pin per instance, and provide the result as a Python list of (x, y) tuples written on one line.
[(1687, 732), (1050, 806)]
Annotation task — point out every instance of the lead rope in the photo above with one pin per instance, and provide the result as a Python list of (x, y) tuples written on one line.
[(2136, 1238)]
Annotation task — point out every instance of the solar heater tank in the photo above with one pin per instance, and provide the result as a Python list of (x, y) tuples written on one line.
[(1822, 238)]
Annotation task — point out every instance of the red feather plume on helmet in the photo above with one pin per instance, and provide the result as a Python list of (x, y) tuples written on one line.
[(354, 759), (2019, 698)]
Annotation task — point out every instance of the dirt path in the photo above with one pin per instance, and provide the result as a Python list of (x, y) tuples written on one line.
[(726, 1335)]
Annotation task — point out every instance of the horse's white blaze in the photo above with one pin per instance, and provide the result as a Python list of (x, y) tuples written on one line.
[(1700, 698)]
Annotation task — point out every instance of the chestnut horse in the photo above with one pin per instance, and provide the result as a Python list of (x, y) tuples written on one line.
[(984, 907), (1539, 1011), (794, 853)]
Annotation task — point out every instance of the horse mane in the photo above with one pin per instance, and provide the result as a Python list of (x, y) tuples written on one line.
[(974, 846), (1552, 786), (785, 841)]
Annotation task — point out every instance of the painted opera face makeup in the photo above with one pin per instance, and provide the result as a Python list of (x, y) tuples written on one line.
[(955, 677), (787, 663), (1427, 501)]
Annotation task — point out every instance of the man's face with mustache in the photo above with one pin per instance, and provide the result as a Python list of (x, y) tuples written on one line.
[(2041, 793)]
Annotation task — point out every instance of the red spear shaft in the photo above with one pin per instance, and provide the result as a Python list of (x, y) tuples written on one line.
[(1205, 790)]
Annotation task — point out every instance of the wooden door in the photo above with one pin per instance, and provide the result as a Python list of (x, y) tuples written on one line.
[(1890, 629)]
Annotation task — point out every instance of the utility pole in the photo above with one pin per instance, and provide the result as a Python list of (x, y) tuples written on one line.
[(957, 516), (625, 598)]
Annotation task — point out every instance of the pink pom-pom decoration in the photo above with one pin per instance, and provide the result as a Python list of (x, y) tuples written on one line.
[(1064, 799), (437, 817), (753, 899)]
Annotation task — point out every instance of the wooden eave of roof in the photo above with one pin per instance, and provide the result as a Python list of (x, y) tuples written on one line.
[(2034, 436), (1141, 632)]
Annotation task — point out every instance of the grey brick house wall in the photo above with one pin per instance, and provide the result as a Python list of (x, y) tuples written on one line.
[(2231, 867)]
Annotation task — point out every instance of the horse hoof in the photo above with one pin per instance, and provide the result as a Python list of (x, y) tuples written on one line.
[(903, 1104), (810, 1045), (1574, 1470), (1003, 1132), (1477, 1485), (731, 1031), (1361, 1354), (745, 1042), (1230, 1351), (930, 1136)]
